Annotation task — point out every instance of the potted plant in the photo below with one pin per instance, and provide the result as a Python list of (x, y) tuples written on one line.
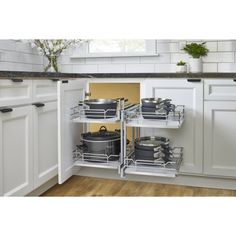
[(52, 49), (181, 67), (196, 51)]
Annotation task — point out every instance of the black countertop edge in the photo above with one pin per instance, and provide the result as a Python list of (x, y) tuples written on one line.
[(48, 75)]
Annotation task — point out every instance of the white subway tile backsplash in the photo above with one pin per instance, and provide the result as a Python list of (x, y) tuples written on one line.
[(77, 61), (227, 46), (175, 57), (84, 68), (165, 68), (111, 68), (65, 68), (211, 46), (102, 60), (161, 58), (125, 60), (219, 57), (209, 67), (8, 45), (167, 47), (140, 68), (152, 59), (226, 67)]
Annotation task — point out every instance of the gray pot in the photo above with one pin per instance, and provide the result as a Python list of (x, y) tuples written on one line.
[(101, 142)]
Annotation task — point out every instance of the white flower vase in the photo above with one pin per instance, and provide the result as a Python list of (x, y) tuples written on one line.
[(195, 65), (181, 69)]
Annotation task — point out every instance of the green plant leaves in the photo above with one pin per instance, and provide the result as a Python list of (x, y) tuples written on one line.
[(196, 50)]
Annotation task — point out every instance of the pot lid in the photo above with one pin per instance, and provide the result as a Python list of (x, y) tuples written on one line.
[(102, 135), (100, 101), (151, 141), (155, 100)]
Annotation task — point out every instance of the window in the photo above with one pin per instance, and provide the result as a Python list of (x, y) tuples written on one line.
[(117, 48)]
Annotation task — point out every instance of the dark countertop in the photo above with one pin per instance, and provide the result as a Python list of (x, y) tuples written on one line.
[(48, 75)]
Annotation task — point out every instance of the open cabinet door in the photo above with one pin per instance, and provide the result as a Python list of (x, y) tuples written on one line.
[(69, 93)]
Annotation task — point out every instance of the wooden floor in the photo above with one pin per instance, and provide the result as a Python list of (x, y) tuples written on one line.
[(87, 186)]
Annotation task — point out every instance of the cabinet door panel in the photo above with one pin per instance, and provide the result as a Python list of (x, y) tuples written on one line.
[(220, 136), (45, 143), (190, 135), (16, 153), (69, 94), (44, 90), (15, 93), (220, 90)]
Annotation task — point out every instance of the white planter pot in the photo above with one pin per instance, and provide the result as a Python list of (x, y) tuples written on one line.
[(181, 69), (195, 65)]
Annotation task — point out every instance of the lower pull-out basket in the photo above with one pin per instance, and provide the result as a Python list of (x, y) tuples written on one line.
[(155, 167), (96, 160)]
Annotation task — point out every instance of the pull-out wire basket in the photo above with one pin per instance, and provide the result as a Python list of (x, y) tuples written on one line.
[(135, 117), (154, 167), (95, 160)]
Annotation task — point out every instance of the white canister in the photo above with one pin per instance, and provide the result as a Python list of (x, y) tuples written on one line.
[(195, 65)]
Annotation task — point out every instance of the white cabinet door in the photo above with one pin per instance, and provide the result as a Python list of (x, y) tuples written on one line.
[(190, 135), (220, 90), (219, 138), (45, 142), (16, 152), (44, 90), (15, 93), (69, 94)]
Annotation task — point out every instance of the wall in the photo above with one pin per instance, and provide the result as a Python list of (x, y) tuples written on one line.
[(221, 58), (16, 55), (19, 56)]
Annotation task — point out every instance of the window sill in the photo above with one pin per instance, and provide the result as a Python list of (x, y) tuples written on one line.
[(115, 55)]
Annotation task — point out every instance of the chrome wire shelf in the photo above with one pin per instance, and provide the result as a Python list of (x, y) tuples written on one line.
[(83, 114), (134, 118), (95, 160), (156, 167)]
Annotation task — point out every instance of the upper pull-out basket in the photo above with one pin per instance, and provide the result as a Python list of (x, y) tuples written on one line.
[(135, 117)]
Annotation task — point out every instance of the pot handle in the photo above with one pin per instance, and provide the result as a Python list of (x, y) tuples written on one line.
[(103, 129), (82, 147), (119, 99)]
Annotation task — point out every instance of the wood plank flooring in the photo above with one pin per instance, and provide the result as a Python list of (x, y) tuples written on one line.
[(88, 186)]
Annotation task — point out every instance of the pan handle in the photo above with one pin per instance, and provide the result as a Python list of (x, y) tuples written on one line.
[(120, 99), (83, 147)]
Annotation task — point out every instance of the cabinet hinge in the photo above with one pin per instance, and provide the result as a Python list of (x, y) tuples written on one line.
[(87, 94)]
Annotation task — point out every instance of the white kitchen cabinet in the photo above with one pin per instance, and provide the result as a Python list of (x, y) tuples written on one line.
[(15, 93), (190, 135), (220, 90), (219, 138), (44, 90), (45, 142), (16, 151), (69, 94)]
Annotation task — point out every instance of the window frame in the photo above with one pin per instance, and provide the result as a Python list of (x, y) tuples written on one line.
[(83, 51)]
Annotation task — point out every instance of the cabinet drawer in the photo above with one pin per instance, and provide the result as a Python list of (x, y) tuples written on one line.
[(220, 90), (44, 90), (15, 93)]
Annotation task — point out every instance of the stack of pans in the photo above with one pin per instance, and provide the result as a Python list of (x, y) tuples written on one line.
[(153, 148), (101, 108), (156, 108)]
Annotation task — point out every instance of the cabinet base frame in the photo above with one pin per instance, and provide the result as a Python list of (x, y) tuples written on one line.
[(182, 180)]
